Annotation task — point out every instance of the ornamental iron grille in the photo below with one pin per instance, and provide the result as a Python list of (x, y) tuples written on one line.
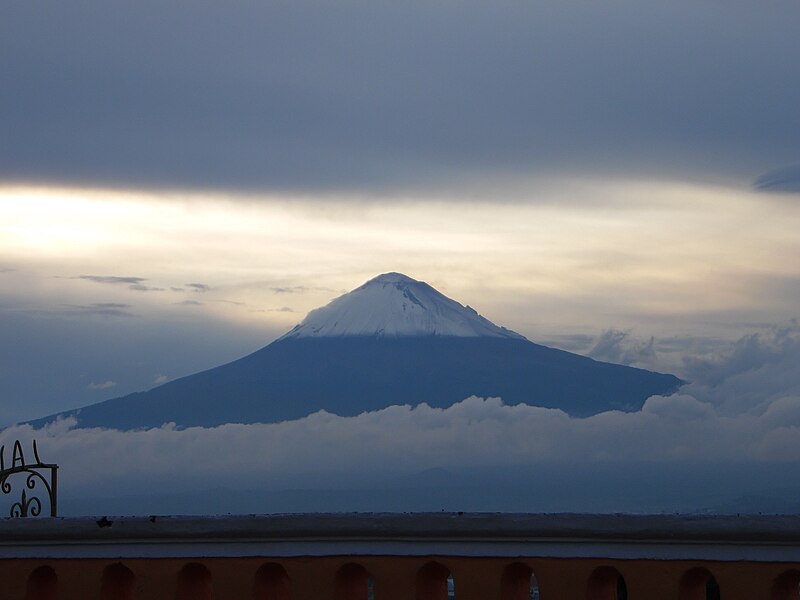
[(36, 479)]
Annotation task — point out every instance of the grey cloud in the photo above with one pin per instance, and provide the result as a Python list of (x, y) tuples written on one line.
[(779, 180), (114, 279), (104, 309), (312, 95), (138, 287), (198, 287), (289, 290), (7, 270), (749, 353), (694, 345), (301, 289), (611, 347), (756, 371), (189, 303), (134, 283), (664, 354)]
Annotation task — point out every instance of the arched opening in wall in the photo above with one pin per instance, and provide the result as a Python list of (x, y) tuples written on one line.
[(698, 584), (271, 582), (606, 583), (353, 582), (786, 586), (434, 582), (194, 583), (42, 584), (117, 583), (518, 583)]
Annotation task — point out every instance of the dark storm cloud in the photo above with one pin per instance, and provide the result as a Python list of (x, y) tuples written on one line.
[(315, 95)]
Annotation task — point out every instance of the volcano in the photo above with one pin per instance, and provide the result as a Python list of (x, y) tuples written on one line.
[(392, 341)]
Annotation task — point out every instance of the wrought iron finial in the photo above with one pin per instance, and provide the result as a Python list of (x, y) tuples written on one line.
[(35, 477)]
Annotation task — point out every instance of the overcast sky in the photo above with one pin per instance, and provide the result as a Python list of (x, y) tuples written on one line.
[(181, 182), (381, 96)]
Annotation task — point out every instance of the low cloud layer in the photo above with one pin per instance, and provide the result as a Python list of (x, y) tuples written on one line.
[(475, 431), (720, 418)]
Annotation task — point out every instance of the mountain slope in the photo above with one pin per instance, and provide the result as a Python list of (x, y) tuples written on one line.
[(398, 353)]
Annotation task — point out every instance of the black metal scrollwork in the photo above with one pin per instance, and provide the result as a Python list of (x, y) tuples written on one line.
[(36, 480)]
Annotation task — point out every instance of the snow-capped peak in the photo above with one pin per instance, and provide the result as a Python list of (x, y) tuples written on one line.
[(395, 305)]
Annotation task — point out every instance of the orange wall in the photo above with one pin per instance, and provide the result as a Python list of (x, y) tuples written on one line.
[(397, 578)]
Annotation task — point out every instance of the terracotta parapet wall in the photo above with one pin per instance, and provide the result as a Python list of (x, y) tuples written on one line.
[(345, 557)]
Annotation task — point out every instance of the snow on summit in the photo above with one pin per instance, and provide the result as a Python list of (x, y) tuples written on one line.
[(395, 305)]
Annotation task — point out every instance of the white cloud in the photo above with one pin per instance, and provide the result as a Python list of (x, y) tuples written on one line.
[(756, 371), (401, 439), (102, 386), (617, 346)]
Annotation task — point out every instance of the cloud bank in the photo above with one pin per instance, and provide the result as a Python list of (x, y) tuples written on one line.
[(475, 431)]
